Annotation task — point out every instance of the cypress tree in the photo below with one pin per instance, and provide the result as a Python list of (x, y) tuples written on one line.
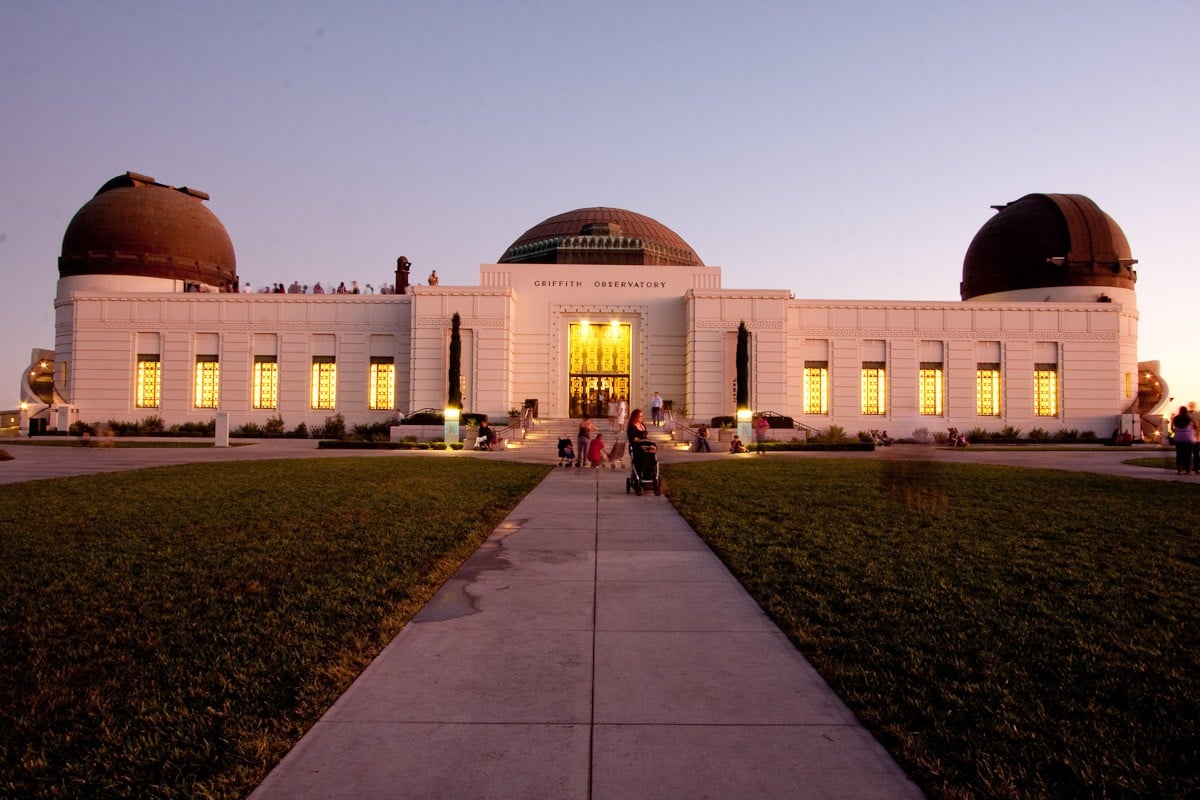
[(455, 394), (743, 366)]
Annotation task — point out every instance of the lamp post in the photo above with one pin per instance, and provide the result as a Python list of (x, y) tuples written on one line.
[(450, 424), (745, 430)]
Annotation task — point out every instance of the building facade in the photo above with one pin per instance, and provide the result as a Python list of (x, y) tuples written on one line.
[(592, 304)]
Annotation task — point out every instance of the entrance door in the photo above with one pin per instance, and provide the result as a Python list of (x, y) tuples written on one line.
[(599, 366)]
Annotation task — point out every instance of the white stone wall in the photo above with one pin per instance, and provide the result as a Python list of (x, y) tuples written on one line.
[(1091, 344), (515, 346), (100, 335)]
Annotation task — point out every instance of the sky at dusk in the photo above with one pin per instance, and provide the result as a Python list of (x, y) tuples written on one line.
[(838, 150)]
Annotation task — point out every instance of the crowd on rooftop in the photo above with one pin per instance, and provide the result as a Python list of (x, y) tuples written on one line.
[(298, 288)]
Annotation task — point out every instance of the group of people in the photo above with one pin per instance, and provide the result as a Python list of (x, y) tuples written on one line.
[(590, 447), (617, 409), (297, 288), (1187, 443), (303, 288), (736, 445)]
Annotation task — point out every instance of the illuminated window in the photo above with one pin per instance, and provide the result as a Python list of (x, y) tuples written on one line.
[(816, 387), (382, 388), (1129, 384), (266, 382), (149, 381), (1045, 390), (987, 390), (208, 381), (874, 397), (930, 389), (324, 382)]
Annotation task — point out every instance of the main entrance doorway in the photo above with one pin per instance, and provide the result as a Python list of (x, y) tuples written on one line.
[(599, 366)]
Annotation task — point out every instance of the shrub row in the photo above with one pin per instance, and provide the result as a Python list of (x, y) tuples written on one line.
[(351, 444), (334, 427)]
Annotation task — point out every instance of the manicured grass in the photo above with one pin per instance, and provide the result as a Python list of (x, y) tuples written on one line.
[(1004, 632), (171, 632)]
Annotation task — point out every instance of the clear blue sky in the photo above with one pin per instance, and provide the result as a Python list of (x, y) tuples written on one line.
[(839, 150)]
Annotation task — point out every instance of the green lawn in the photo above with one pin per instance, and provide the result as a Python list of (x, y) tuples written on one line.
[(171, 632), (1005, 632)]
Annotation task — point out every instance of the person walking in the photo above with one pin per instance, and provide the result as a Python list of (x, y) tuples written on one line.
[(656, 409), (622, 410), (583, 440), (1185, 437), (1195, 415), (760, 434)]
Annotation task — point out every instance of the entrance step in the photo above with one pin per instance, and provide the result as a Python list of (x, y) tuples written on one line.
[(541, 440)]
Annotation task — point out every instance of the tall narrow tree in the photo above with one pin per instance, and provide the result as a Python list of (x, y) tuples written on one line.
[(743, 366), (455, 393)]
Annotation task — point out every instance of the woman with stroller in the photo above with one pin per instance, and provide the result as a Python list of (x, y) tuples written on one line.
[(636, 428), (642, 455)]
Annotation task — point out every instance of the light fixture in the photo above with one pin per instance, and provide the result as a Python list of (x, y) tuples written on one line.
[(744, 415), (451, 414)]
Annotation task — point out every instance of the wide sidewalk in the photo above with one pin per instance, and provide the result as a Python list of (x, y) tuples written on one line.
[(593, 647)]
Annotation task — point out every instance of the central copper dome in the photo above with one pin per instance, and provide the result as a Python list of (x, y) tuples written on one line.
[(601, 235)]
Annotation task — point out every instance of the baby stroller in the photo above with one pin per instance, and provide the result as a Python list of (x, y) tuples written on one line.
[(617, 455), (566, 452), (644, 456)]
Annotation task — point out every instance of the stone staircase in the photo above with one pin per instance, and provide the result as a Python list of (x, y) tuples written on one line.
[(541, 441)]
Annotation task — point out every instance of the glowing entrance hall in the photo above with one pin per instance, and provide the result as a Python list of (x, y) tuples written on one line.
[(599, 364)]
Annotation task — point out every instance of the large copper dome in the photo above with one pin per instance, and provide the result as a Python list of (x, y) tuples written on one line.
[(1047, 240), (601, 236), (136, 226)]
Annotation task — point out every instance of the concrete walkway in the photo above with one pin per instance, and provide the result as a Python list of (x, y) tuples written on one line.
[(593, 647)]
